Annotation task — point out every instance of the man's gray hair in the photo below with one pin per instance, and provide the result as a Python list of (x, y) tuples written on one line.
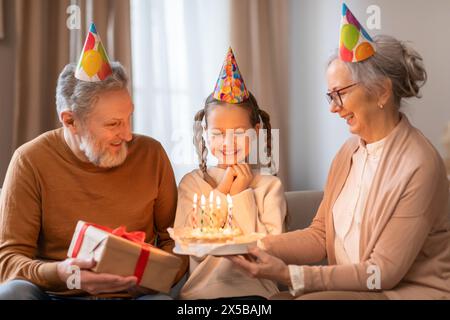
[(394, 60), (79, 96)]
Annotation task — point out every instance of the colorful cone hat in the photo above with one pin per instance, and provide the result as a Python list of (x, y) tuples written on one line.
[(355, 44), (94, 62), (230, 86)]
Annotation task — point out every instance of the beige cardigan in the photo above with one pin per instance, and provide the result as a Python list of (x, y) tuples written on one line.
[(405, 230), (260, 208)]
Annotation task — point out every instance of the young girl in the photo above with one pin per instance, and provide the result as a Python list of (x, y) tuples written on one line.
[(258, 200)]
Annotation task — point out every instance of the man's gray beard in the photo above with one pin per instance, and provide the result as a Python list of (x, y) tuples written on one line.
[(99, 155)]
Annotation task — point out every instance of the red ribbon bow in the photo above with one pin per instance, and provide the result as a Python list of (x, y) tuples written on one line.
[(134, 236)]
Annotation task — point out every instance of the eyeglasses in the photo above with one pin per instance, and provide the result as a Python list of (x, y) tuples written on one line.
[(335, 95)]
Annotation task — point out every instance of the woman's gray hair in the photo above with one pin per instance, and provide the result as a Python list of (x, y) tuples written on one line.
[(79, 96), (394, 60)]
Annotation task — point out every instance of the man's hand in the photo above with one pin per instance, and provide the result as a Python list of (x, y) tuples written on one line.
[(260, 264), (92, 282), (244, 177)]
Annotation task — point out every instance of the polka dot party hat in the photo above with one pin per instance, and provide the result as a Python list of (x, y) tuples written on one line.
[(355, 44), (230, 86), (94, 63)]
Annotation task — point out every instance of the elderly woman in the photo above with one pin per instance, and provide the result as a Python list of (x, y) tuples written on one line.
[(382, 223)]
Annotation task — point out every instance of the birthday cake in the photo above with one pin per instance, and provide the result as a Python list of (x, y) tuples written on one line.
[(216, 242), (211, 223), (211, 231), (210, 234)]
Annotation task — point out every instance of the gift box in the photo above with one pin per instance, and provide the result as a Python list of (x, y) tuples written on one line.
[(123, 253)]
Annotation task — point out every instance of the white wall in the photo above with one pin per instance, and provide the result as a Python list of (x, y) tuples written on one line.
[(316, 134)]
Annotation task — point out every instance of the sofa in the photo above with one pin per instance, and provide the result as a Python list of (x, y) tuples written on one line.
[(303, 205)]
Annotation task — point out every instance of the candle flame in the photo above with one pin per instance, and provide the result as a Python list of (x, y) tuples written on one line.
[(194, 201), (229, 200), (202, 200), (218, 202)]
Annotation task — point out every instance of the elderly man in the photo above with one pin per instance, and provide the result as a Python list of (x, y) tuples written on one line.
[(92, 169)]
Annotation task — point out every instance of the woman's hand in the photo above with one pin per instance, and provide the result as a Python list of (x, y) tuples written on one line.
[(244, 177), (260, 264), (227, 180)]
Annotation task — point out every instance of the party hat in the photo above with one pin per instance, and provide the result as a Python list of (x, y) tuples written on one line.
[(355, 44), (94, 62), (230, 86)]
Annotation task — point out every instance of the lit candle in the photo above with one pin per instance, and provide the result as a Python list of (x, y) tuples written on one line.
[(211, 209), (218, 202), (202, 206), (211, 200), (230, 210), (218, 210), (194, 211)]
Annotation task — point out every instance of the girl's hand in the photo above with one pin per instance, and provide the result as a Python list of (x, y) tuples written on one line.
[(225, 185), (244, 177), (260, 264)]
